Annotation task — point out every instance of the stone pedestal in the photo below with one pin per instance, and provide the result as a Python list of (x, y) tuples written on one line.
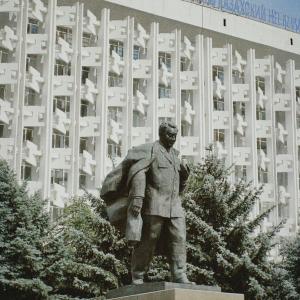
[(171, 291)]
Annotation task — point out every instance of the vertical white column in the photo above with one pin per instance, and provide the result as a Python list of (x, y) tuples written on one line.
[(76, 69), (199, 97), (101, 105), (229, 107), (47, 100), (251, 115), (291, 126), (152, 86), (208, 92), (128, 78), (19, 94), (176, 84)]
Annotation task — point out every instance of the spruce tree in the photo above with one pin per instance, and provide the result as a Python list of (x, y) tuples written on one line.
[(23, 224), (85, 255)]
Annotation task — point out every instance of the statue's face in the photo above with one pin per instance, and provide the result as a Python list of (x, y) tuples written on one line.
[(168, 138)]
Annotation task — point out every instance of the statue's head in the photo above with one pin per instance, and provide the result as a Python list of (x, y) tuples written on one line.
[(167, 134)]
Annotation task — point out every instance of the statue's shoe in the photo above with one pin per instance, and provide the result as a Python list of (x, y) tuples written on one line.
[(183, 279), (137, 281)]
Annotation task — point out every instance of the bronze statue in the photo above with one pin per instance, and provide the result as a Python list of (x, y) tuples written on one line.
[(146, 186)]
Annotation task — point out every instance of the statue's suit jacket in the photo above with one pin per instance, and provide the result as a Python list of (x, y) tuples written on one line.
[(156, 188)]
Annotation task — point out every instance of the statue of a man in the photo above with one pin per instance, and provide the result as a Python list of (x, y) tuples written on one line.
[(155, 177)]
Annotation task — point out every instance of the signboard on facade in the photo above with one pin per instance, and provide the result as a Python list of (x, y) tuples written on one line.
[(254, 10)]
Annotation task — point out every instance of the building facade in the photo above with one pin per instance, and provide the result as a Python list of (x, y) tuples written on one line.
[(82, 82)]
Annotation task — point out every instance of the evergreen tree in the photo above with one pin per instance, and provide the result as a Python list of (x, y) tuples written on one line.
[(85, 254), (222, 245), (23, 224)]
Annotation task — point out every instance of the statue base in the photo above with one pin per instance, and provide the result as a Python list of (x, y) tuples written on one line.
[(170, 291)]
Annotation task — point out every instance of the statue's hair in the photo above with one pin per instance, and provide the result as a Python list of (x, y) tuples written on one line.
[(164, 125)]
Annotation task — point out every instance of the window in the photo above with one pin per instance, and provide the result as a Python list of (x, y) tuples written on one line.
[(83, 144), (26, 171), (260, 113), (115, 113), (62, 103), (84, 106), (139, 120), (116, 46), (164, 57), (31, 61), (113, 150), (61, 68), (238, 77), (219, 104), (64, 33), (115, 80), (185, 64), (263, 175), (28, 134), (164, 119), (85, 74), (164, 92), (240, 173), (30, 97), (59, 176), (3, 55), (261, 144), (2, 129), (239, 108), (2, 91), (219, 136), (32, 26), (87, 39), (137, 52), (60, 140), (82, 180), (298, 94), (260, 82), (218, 71)]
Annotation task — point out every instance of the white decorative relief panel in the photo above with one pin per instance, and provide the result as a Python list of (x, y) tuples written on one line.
[(241, 156), (116, 96), (64, 50), (219, 57), (31, 154), (63, 85), (115, 131), (164, 75), (268, 194), (9, 73), (8, 38), (220, 119), (240, 124), (238, 62), (118, 30), (61, 121), (91, 23), (37, 43), (279, 72), (6, 111), (34, 79), (65, 16), (187, 113), (6, 148), (87, 163), (34, 116), (261, 98), (187, 48), (281, 133), (61, 158), (284, 163), (189, 80), (263, 128), (141, 36), (189, 145), (38, 10), (116, 63), (59, 195), (89, 126), (89, 92), (219, 88), (142, 68), (282, 102), (140, 103), (262, 67), (166, 108), (9, 5), (166, 42), (240, 92), (91, 56)]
